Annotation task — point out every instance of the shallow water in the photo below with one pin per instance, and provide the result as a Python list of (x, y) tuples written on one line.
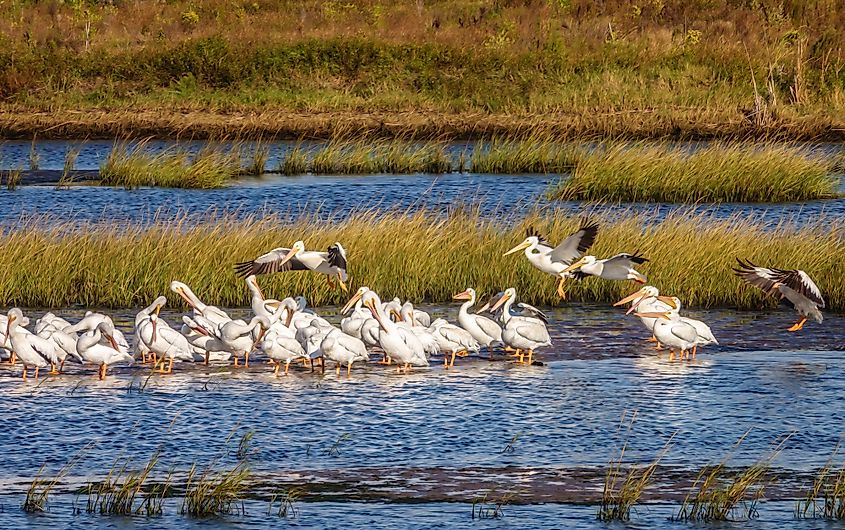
[(440, 435)]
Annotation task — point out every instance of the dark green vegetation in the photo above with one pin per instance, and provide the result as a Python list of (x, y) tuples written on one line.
[(460, 68)]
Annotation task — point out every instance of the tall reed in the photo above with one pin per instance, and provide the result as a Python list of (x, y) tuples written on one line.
[(718, 172), (419, 256), (826, 498), (349, 157), (531, 154), (125, 491), (211, 492)]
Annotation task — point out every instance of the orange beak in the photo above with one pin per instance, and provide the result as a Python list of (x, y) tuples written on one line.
[(463, 296)]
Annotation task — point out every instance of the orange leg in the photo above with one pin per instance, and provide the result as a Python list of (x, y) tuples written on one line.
[(798, 326)]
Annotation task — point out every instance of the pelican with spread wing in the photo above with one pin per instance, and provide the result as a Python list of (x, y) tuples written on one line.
[(619, 267), (332, 263), (793, 287), (557, 260)]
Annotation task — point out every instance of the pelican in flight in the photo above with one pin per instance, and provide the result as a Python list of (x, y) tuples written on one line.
[(557, 260), (484, 330), (521, 333), (619, 267), (332, 263), (794, 287)]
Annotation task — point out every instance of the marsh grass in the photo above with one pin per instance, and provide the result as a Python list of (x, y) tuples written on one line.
[(258, 161), (127, 492), (66, 180), (720, 494), (132, 164), (362, 156), (38, 494), (211, 492), (491, 505), (245, 445), (34, 157), (13, 178), (286, 502), (404, 254), (624, 485), (826, 498), (716, 172), (531, 154)]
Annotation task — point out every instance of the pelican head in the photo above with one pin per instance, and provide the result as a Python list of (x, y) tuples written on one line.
[(106, 328), (354, 300), (252, 283), (15, 317), (586, 260), (637, 297), (509, 294), (468, 294), (530, 242), (297, 247), (185, 292), (369, 301)]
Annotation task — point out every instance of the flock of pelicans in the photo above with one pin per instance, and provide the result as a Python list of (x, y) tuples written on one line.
[(285, 331)]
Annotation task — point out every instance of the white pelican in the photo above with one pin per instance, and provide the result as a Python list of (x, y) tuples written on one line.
[(141, 318), (398, 343), (32, 350), (343, 349), (65, 345), (241, 337), (311, 337), (521, 333), (619, 267), (332, 263), (705, 334), (351, 325), (420, 317), (166, 343), (671, 331), (452, 340), (484, 330), (647, 300), (50, 321), (281, 346), (556, 260), (793, 287), (92, 350), (209, 312), (405, 317), (260, 305), (91, 320), (524, 310)]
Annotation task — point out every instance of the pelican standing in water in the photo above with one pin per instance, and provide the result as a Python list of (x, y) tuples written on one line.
[(792, 287), (556, 260), (398, 343), (209, 312), (32, 350), (453, 340), (332, 263), (705, 334), (647, 300), (619, 267), (484, 330), (90, 348), (343, 349), (524, 334), (671, 331)]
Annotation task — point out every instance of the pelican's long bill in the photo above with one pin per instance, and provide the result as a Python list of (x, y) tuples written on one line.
[(663, 315), (574, 266), (522, 246), (630, 298), (8, 326), (254, 281), (462, 296), (371, 305), (352, 301), (668, 301), (112, 342), (181, 292), (291, 253), (499, 303)]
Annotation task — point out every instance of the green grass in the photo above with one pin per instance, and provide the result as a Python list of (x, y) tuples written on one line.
[(126, 492), (418, 256), (717, 172), (531, 154), (211, 492), (720, 494), (826, 497), (13, 178), (131, 164), (38, 494), (624, 485), (368, 156)]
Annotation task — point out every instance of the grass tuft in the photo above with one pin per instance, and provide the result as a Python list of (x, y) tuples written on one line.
[(13, 178), (125, 492), (131, 165), (624, 488), (354, 157), (287, 502), (826, 498), (718, 172), (533, 154), (38, 494), (490, 505), (722, 495), (211, 492)]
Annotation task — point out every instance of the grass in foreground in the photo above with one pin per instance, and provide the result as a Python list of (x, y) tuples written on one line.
[(419, 256), (131, 165), (118, 492), (718, 172), (624, 488), (38, 495), (826, 497), (721, 495), (211, 492)]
